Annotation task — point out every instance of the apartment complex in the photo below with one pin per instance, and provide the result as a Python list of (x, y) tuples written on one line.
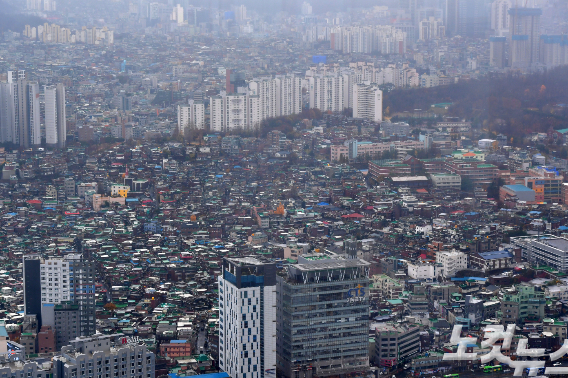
[(20, 111), (327, 92), (279, 96)]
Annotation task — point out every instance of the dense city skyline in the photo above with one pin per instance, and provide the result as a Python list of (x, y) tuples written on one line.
[(283, 189)]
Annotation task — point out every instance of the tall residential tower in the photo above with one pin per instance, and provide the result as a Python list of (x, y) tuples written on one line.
[(247, 318)]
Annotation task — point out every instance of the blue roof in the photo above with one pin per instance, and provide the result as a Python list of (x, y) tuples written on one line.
[(495, 255), (469, 278), (178, 341), (518, 188), (323, 204)]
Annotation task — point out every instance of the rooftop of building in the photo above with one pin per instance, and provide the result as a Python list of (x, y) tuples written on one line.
[(518, 188), (495, 255)]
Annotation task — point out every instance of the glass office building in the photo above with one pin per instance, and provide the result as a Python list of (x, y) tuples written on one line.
[(323, 317)]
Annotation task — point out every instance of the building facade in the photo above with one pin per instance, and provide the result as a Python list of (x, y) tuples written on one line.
[(247, 318), (368, 102), (395, 343), (191, 116), (452, 262), (104, 355), (323, 312), (235, 111), (69, 279)]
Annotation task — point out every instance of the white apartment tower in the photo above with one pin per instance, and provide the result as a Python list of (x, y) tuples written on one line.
[(235, 111), (500, 17), (55, 122), (368, 102), (177, 14), (326, 92), (290, 95), (268, 92), (247, 318), (19, 110), (278, 96), (192, 116), (7, 115), (34, 114), (306, 8)]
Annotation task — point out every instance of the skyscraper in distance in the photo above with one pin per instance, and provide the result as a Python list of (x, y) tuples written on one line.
[(524, 36)]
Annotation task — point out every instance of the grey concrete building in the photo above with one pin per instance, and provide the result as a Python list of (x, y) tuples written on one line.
[(546, 250), (104, 356), (322, 317), (66, 323), (395, 342)]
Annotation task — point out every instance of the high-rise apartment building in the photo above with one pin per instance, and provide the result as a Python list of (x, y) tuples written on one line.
[(247, 318), (19, 111), (500, 17), (306, 8), (60, 280), (234, 111), (55, 117), (384, 39), (431, 28), (191, 116), (323, 317), (524, 36), (368, 102), (497, 51), (278, 96), (177, 14), (33, 114), (268, 91), (326, 92)]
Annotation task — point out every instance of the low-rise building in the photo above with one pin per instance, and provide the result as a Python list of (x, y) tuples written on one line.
[(452, 262), (446, 181), (491, 260), (395, 343)]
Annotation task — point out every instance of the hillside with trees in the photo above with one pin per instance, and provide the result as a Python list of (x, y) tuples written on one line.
[(512, 104)]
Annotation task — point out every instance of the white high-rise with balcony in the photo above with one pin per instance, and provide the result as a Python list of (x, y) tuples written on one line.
[(367, 102), (247, 318)]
